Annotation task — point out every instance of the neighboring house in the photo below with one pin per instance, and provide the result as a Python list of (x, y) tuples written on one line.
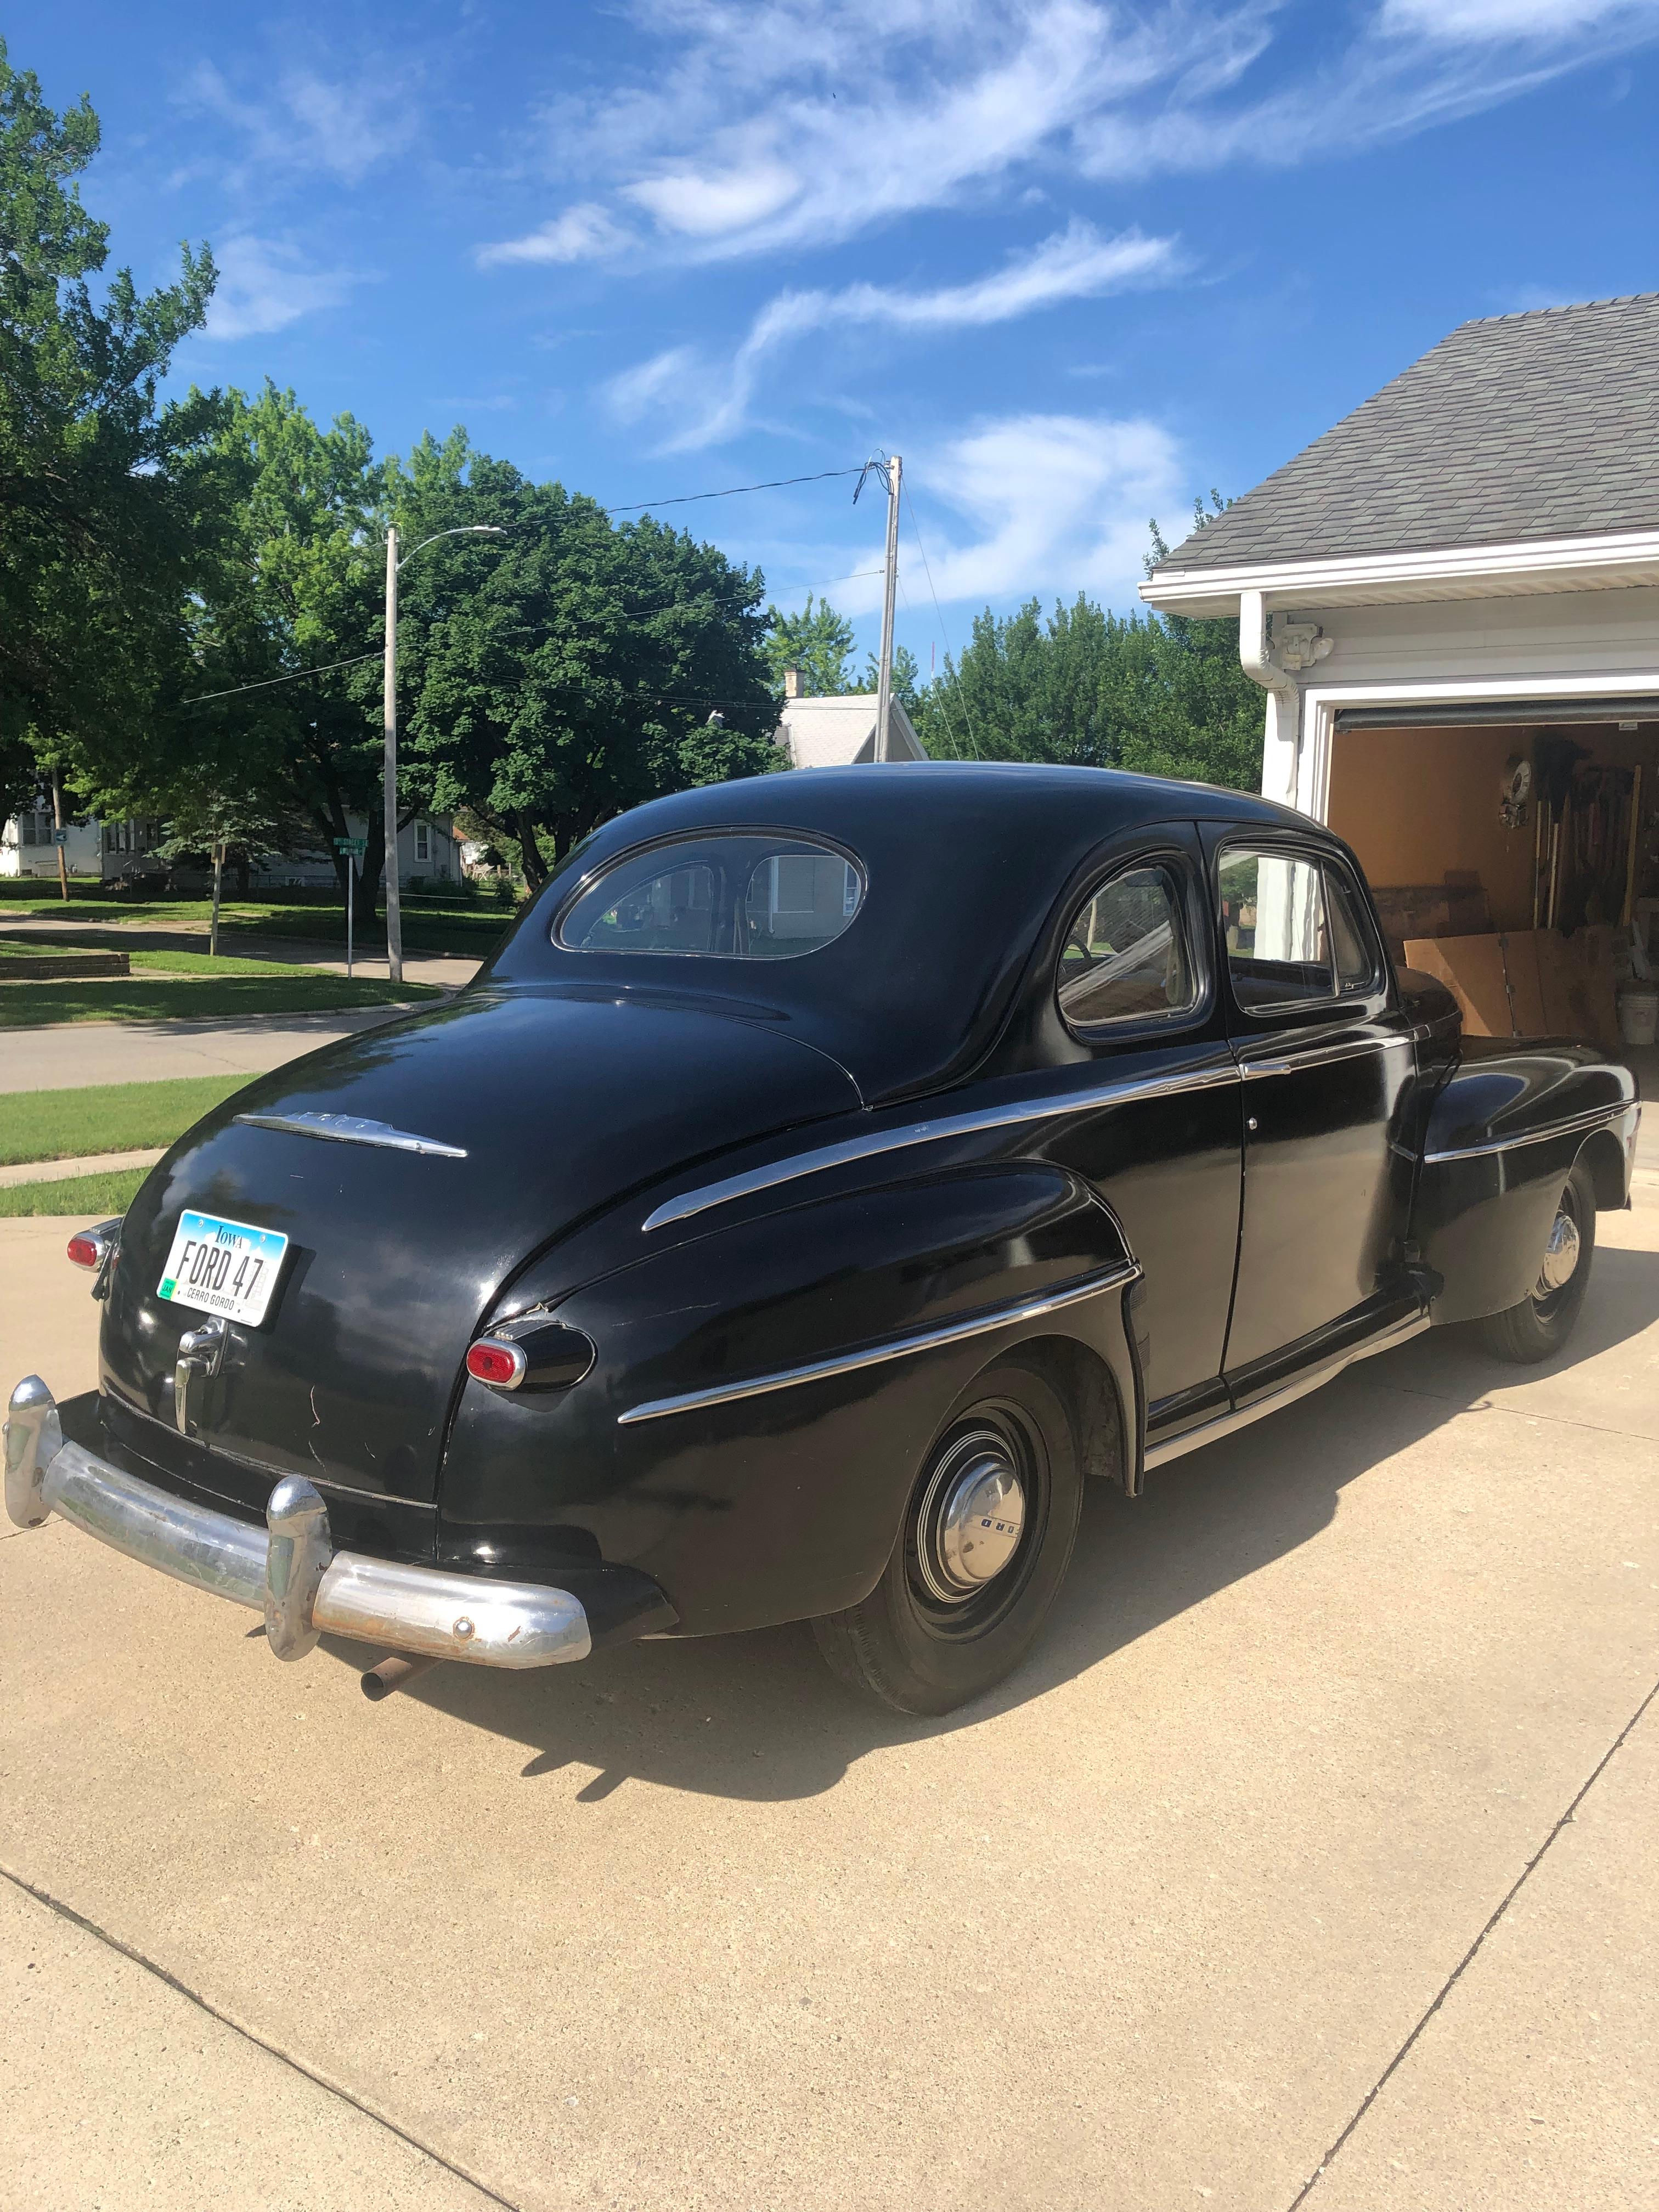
[(839, 730), (1455, 585), (426, 847)]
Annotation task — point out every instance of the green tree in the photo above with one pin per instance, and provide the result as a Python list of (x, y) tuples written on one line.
[(221, 824), (1162, 696), (907, 678), (295, 583), (104, 491), (571, 668), (817, 642)]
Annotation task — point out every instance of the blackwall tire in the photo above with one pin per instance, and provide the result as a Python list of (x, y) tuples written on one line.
[(1541, 1322), (932, 1634)]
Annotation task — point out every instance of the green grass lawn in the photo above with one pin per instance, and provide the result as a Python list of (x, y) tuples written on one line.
[(462, 927), (225, 963), (104, 1117), (89, 1198), (148, 998)]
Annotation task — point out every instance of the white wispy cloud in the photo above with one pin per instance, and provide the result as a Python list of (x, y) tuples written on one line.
[(1453, 19), (709, 400), (587, 233), (306, 121), (1032, 504), (265, 284), (758, 125)]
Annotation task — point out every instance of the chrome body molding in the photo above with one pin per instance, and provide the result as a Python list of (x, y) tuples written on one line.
[(1320, 1055), (825, 1156), (349, 1129), (1317, 1372), (877, 1355), (288, 1570), (1594, 1117)]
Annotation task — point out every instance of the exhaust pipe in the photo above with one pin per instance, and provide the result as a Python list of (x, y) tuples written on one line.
[(394, 1672)]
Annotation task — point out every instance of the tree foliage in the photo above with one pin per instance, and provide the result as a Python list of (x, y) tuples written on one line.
[(817, 642), (573, 667), (107, 493), (1159, 694)]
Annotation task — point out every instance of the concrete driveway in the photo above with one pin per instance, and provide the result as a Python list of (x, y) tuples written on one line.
[(1323, 1831)]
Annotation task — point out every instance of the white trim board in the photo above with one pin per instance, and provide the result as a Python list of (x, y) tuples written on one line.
[(1613, 562), (1322, 703)]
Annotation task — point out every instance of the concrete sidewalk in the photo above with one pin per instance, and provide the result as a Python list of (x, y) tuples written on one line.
[(1278, 1813)]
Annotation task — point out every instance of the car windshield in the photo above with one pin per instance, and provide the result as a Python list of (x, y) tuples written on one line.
[(753, 896)]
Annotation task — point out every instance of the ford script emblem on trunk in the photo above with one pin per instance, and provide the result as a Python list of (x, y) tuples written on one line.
[(348, 1129)]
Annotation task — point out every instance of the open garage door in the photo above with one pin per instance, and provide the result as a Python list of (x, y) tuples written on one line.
[(1514, 850)]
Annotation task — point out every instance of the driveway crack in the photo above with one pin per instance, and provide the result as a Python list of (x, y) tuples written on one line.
[(313, 2074), (1468, 1960)]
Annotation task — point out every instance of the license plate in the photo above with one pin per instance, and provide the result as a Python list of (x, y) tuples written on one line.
[(221, 1267)]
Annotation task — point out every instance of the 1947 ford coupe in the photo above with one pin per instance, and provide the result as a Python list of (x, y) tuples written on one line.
[(828, 1175)]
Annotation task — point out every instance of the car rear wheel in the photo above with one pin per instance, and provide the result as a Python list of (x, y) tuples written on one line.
[(987, 1535), (1543, 1320)]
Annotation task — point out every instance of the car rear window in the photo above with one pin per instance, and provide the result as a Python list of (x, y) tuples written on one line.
[(751, 896)]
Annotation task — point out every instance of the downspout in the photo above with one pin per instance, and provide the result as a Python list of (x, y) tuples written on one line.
[(1281, 741)]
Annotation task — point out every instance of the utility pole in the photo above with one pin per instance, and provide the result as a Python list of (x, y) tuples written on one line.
[(885, 680), (394, 913), (394, 919), (58, 825)]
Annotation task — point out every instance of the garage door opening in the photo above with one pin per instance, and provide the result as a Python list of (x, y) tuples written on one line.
[(1514, 852)]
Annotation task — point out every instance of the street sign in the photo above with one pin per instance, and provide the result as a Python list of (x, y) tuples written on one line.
[(60, 837), (358, 846)]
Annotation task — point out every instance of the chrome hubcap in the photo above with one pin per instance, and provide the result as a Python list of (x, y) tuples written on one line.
[(973, 1514), (1560, 1256)]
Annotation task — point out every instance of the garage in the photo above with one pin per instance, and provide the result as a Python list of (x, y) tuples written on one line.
[(1451, 604)]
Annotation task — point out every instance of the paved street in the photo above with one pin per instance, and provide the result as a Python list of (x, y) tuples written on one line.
[(685, 1926), (144, 1052)]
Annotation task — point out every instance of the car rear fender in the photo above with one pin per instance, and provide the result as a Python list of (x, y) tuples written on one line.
[(763, 1394)]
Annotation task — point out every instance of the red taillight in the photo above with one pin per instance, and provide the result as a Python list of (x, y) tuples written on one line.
[(492, 1361), (86, 1251)]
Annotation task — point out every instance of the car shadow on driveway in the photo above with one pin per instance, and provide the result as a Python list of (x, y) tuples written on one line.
[(758, 1716)]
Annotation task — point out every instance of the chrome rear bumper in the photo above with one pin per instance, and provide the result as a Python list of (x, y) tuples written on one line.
[(288, 1570)]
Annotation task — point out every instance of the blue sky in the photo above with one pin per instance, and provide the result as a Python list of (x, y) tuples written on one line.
[(1076, 261)]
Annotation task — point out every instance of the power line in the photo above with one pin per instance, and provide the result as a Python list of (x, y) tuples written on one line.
[(687, 499), (265, 683), (973, 734)]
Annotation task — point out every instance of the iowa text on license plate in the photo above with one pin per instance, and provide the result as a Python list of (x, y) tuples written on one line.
[(221, 1267)]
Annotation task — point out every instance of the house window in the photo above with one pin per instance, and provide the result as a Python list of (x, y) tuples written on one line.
[(422, 842), (27, 834)]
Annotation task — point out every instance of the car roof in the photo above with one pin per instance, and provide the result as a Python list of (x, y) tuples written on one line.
[(963, 862)]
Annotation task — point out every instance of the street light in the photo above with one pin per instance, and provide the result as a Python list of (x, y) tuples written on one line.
[(394, 917)]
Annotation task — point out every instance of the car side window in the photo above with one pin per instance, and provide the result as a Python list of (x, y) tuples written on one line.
[(1126, 957), (1273, 916), (1296, 930)]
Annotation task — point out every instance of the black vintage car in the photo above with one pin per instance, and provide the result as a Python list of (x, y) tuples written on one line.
[(831, 1175)]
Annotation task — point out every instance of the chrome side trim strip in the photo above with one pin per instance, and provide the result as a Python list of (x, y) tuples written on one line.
[(350, 1129), (901, 1347), (1319, 1055), (1300, 1385), (1594, 1117), (931, 1133)]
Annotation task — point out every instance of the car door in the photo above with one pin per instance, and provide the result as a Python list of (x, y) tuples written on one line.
[(1133, 1002), (1326, 1055)]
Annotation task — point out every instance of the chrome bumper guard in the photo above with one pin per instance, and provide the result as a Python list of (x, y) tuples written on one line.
[(288, 1570)]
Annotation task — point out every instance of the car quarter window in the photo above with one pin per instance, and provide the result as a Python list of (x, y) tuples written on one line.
[(1296, 932), (1353, 941), (1126, 957)]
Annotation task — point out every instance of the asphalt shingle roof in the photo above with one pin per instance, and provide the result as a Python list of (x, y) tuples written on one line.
[(1537, 425)]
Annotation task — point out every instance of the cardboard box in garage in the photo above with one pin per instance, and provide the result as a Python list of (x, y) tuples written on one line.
[(1527, 982)]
